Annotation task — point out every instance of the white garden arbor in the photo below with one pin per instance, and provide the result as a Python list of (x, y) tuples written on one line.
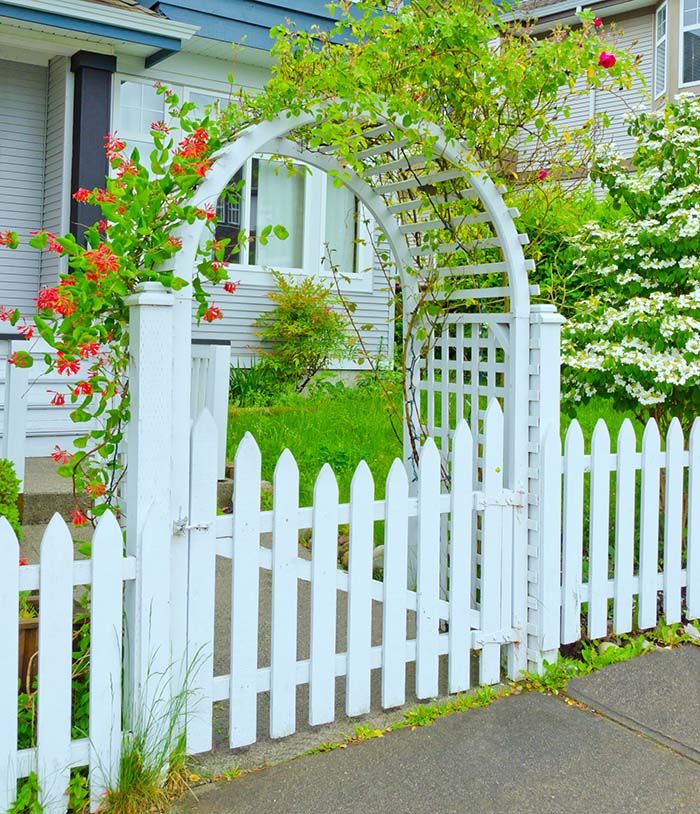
[(473, 334)]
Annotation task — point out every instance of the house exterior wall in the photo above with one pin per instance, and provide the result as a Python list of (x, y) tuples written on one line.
[(23, 89)]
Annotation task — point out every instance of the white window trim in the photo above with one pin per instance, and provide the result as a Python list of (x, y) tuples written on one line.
[(256, 276), (657, 42), (681, 47)]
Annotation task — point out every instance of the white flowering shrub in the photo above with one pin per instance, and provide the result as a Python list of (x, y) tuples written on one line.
[(636, 337)]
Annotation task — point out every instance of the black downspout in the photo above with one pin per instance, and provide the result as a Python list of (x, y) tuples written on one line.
[(92, 116)]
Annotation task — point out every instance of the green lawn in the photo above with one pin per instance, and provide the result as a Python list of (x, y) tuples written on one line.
[(343, 426)]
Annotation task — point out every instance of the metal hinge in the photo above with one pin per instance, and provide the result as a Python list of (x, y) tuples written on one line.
[(483, 500), (181, 526)]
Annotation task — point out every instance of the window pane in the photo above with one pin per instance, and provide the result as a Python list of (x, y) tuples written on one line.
[(139, 105), (341, 229), (691, 56), (202, 100), (229, 213), (661, 23), (277, 198), (660, 80)]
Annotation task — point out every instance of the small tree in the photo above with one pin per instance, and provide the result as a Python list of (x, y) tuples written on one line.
[(636, 338), (305, 332)]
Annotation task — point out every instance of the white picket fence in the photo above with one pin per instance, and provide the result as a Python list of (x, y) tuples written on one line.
[(55, 579), (481, 626), (605, 567)]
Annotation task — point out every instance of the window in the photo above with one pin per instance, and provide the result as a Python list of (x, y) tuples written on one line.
[(660, 52), (690, 54), (323, 221), (139, 105)]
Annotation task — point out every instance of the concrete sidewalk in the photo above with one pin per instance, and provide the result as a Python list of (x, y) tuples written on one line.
[(625, 739)]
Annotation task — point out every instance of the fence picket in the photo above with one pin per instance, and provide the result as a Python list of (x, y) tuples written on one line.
[(324, 558), (491, 541), (245, 594), (283, 660), (9, 623), (361, 547), (395, 576), (201, 583), (55, 636), (692, 595), (649, 525), (572, 547), (625, 493), (105, 658), (599, 532), (460, 530), (673, 523), (428, 587), (549, 575)]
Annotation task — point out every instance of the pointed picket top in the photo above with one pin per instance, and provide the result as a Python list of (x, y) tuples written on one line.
[(8, 538), (429, 457), (574, 443), (600, 440), (651, 435), (362, 479), (462, 437), (674, 435), (695, 432), (108, 529), (57, 538), (397, 476), (326, 486), (494, 416), (204, 424), (248, 447), (286, 465), (626, 438)]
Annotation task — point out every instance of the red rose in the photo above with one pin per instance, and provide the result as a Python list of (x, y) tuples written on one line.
[(606, 60)]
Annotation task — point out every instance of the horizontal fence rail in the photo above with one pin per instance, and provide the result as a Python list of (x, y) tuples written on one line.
[(626, 544), (53, 583), (471, 606)]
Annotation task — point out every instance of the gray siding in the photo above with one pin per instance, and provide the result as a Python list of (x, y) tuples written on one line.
[(22, 151), (57, 180)]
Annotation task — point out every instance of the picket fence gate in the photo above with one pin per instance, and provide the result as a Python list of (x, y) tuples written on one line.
[(55, 578), (476, 609)]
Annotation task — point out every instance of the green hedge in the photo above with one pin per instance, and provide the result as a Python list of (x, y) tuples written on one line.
[(9, 493)]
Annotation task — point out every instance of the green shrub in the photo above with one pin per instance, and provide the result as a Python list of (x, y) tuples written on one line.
[(255, 386), (304, 332), (9, 495)]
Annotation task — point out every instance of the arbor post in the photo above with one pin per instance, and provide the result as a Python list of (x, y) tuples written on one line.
[(544, 543), (148, 489)]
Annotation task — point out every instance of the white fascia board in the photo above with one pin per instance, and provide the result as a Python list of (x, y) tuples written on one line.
[(132, 20)]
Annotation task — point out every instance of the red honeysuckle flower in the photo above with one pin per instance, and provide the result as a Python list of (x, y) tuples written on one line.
[(230, 287), (102, 225), (95, 489), (69, 367), (58, 399), (9, 239), (175, 242), (101, 261), (203, 167), (65, 306), (217, 265), (67, 281), (23, 561), (61, 456), (83, 389), (89, 349), (113, 145), (77, 518), (82, 195), (160, 127), (213, 313), (47, 299), (542, 174), (26, 330), (127, 168), (606, 60), (102, 196)]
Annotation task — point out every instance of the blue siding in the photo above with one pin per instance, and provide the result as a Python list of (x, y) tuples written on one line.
[(245, 20)]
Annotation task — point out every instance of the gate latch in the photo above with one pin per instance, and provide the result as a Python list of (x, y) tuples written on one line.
[(181, 526), (484, 500)]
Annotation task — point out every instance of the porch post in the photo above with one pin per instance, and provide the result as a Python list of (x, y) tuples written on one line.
[(544, 588), (148, 488)]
